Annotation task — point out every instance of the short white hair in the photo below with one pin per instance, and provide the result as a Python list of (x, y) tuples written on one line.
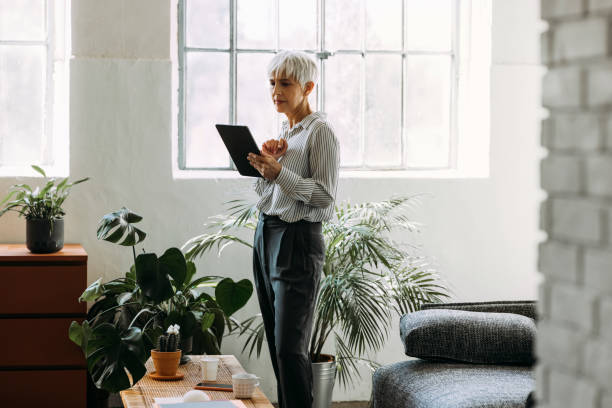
[(296, 65)]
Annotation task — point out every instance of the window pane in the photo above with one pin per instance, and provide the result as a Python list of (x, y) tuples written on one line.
[(255, 108), (22, 84), (207, 100), (428, 25), (384, 24), (342, 25), (298, 24), (256, 24), (383, 110), (427, 124), (22, 20), (207, 23), (342, 103)]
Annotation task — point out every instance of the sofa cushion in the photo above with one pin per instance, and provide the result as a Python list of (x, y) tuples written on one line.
[(472, 337), (424, 384), (523, 307)]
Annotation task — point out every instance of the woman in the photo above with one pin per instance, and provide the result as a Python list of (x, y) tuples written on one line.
[(297, 193)]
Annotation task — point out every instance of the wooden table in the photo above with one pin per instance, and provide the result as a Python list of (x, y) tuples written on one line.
[(135, 396)]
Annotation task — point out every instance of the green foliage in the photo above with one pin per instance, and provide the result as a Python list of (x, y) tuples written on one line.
[(38, 203), (129, 314), (116, 225), (367, 277)]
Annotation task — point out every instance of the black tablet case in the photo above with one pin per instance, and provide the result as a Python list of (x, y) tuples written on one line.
[(239, 143)]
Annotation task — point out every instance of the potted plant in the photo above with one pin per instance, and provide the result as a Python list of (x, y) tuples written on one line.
[(167, 355), (43, 211), (130, 313), (367, 279)]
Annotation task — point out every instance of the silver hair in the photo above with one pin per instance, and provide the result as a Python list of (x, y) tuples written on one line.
[(296, 65)]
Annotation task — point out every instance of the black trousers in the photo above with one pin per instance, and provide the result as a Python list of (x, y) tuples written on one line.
[(287, 263)]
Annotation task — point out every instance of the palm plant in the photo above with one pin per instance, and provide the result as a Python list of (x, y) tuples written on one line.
[(367, 277)]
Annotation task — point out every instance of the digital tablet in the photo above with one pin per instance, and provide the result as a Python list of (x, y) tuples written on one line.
[(239, 143)]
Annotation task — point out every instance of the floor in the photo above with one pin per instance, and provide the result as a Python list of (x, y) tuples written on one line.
[(115, 402)]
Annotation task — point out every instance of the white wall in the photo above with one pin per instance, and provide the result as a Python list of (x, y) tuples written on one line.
[(483, 232)]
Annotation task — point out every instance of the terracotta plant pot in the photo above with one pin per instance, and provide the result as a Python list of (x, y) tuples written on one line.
[(166, 362)]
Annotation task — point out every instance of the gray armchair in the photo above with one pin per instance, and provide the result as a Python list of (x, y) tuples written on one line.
[(468, 355)]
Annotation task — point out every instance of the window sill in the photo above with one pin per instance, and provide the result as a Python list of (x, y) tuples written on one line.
[(347, 174)]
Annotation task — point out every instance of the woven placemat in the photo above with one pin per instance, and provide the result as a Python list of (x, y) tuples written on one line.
[(152, 389)]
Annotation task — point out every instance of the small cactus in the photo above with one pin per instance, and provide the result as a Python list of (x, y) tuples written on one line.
[(169, 341)]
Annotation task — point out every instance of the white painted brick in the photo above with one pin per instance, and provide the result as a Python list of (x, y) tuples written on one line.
[(559, 261), (605, 318), (599, 175), (576, 220), (599, 86), (541, 374), (562, 88), (571, 391), (543, 303), (545, 213), (561, 174), (545, 47), (606, 400), (561, 8), (546, 132), (598, 362), (559, 346), (598, 270), (608, 142), (580, 39), (572, 305), (599, 5), (576, 131)]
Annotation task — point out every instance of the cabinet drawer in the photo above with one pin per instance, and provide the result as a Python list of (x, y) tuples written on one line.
[(48, 289), (41, 388), (38, 343)]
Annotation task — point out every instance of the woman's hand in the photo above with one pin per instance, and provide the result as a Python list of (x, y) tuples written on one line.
[(267, 166), (274, 148)]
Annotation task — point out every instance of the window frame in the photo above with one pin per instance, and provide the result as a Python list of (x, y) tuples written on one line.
[(54, 149), (456, 71)]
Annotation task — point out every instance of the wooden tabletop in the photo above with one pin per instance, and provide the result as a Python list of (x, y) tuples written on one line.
[(17, 252), (134, 398)]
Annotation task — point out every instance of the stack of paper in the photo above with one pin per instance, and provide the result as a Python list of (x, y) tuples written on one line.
[(176, 403)]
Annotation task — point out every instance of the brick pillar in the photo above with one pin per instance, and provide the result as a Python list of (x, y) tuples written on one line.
[(574, 343)]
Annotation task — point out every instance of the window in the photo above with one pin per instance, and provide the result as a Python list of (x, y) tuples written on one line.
[(33, 91), (395, 76)]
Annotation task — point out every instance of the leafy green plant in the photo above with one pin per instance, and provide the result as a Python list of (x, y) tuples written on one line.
[(39, 203), (367, 277), (129, 313)]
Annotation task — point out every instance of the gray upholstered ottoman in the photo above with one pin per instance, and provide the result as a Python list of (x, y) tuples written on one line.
[(451, 381)]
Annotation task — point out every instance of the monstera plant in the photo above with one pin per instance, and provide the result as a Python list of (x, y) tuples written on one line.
[(131, 312)]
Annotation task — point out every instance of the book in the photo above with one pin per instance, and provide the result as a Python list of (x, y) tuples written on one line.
[(203, 404)]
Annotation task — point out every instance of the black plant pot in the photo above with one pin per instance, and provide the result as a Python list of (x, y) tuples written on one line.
[(96, 398), (39, 237), (186, 346)]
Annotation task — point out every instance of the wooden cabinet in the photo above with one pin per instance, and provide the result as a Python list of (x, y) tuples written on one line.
[(39, 365)]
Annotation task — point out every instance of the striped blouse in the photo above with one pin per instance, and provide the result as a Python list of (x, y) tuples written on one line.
[(305, 188)]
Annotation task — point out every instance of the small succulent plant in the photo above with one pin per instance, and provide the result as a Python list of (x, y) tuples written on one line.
[(169, 341)]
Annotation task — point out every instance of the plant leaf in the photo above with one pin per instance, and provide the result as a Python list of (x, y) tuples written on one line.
[(231, 295)]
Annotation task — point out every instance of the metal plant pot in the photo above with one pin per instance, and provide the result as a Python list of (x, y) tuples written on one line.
[(39, 237), (323, 377)]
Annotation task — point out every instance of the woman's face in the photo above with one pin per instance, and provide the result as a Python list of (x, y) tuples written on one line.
[(287, 94)]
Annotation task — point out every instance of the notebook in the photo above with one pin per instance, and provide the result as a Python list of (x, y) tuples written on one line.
[(205, 404)]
